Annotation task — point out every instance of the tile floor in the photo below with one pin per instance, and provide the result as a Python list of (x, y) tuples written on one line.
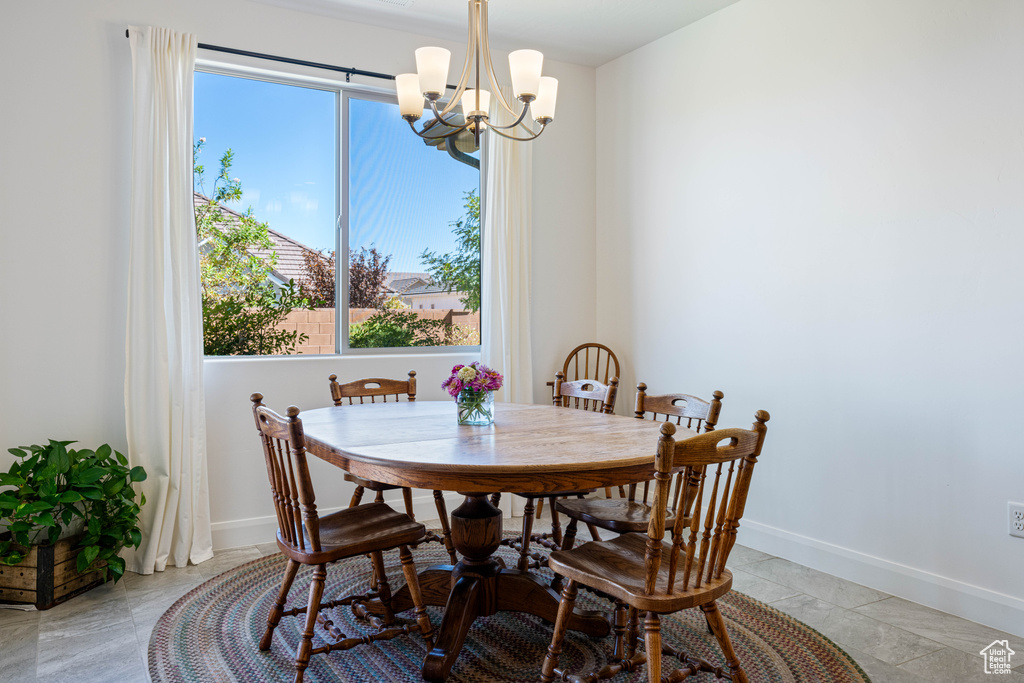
[(103, 636)]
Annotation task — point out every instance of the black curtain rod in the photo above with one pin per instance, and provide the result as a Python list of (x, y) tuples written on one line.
[(348, 71)]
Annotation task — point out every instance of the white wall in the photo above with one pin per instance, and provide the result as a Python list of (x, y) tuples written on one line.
[(817, 207), (65, 144)]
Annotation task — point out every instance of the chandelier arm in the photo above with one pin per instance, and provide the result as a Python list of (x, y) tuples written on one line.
[(486, 43), (518, 121), (438, 117), (464, 78), (455, 131), (513, 137)]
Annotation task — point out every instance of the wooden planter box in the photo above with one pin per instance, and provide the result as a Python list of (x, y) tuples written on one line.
[(47, 576)]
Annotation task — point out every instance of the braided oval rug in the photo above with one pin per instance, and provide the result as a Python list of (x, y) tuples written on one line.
[(211, 634)]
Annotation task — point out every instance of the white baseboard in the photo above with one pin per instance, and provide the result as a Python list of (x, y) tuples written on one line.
[(242, 532), (984, 606)]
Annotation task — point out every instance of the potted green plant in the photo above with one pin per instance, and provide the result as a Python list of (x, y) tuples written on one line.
[(68, 515)]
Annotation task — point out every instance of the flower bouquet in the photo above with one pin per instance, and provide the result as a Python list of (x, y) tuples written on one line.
[(473, 387)]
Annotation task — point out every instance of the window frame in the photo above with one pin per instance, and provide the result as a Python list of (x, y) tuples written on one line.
[(344, 92)]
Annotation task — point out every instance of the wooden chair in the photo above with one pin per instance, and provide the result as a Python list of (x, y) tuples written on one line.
[(629, 515), (630, 568), (593, 366), (305, 538), (583, 394), (589, 361), (372, 388)]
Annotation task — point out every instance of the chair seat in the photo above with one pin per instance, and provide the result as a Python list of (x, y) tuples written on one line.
[(370, 484), (356, 531), (614, 514), (616, 567), (555, 494)]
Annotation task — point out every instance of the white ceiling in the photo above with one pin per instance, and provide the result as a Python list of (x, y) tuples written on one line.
[(589, 32)]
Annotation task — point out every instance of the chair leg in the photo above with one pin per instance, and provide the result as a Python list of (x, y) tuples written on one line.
[(446, 527), (316, 591), (282, 596), (383, 587), (569, 540), (413, 581), (652, 645), (632, 631), (540, 508), (357, 496), (407, 497), (717, 624), (620, 618), (556, 525), (547, 670), (524, 551), (379, 498), (495, 498)]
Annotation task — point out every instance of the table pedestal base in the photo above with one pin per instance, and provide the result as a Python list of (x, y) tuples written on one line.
[(480, 585)]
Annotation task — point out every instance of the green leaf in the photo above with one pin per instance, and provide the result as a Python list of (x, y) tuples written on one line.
[(93, 526), (103, 452), (34, 507), (120, 458), (59, 461), (112, 486), (70, 497), (91, 492), (17, 452), (45, 519), (20, 527), (7, 479), (92, 474), (116, 565), (138, 473), (136, 537)]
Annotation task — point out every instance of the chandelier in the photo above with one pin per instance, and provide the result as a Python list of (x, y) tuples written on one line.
[(536, 93)]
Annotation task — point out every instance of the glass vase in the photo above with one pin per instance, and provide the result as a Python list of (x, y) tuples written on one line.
[(475, 407)]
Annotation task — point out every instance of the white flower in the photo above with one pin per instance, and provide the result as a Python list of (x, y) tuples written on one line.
[(467, 374), (235, 180), (202, 139)]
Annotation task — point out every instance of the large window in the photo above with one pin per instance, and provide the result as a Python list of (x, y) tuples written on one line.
[(288, 176)]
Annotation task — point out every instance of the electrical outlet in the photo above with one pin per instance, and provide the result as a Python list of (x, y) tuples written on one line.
[(1017, 519)]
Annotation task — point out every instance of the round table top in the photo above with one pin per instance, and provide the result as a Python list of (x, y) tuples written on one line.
[(528, 448)]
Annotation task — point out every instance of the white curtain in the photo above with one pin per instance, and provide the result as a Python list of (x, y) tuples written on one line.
[(506, 208), (163, 388)]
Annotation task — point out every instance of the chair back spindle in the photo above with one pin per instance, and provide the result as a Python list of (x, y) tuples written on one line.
[(371, 388), (717, 502), (284, 448), (586, 394)]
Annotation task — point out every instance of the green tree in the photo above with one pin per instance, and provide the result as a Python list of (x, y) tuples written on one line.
[(241, 306), (460, 270), (391, 327)]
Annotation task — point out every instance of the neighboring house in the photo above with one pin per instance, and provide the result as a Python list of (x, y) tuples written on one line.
[(418, 291), (290, 262)]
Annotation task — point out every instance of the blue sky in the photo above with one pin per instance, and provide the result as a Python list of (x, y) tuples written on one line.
[(403, 193)]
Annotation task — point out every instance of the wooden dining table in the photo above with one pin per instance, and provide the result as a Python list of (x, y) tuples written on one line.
[(529, 448)]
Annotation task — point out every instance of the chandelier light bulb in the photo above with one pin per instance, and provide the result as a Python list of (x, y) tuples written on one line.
[(410, 97), (469, 103), (432, 67), (543, 108), (525, 66)]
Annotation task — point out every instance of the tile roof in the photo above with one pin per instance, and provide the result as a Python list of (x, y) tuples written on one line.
[(290, 261)]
